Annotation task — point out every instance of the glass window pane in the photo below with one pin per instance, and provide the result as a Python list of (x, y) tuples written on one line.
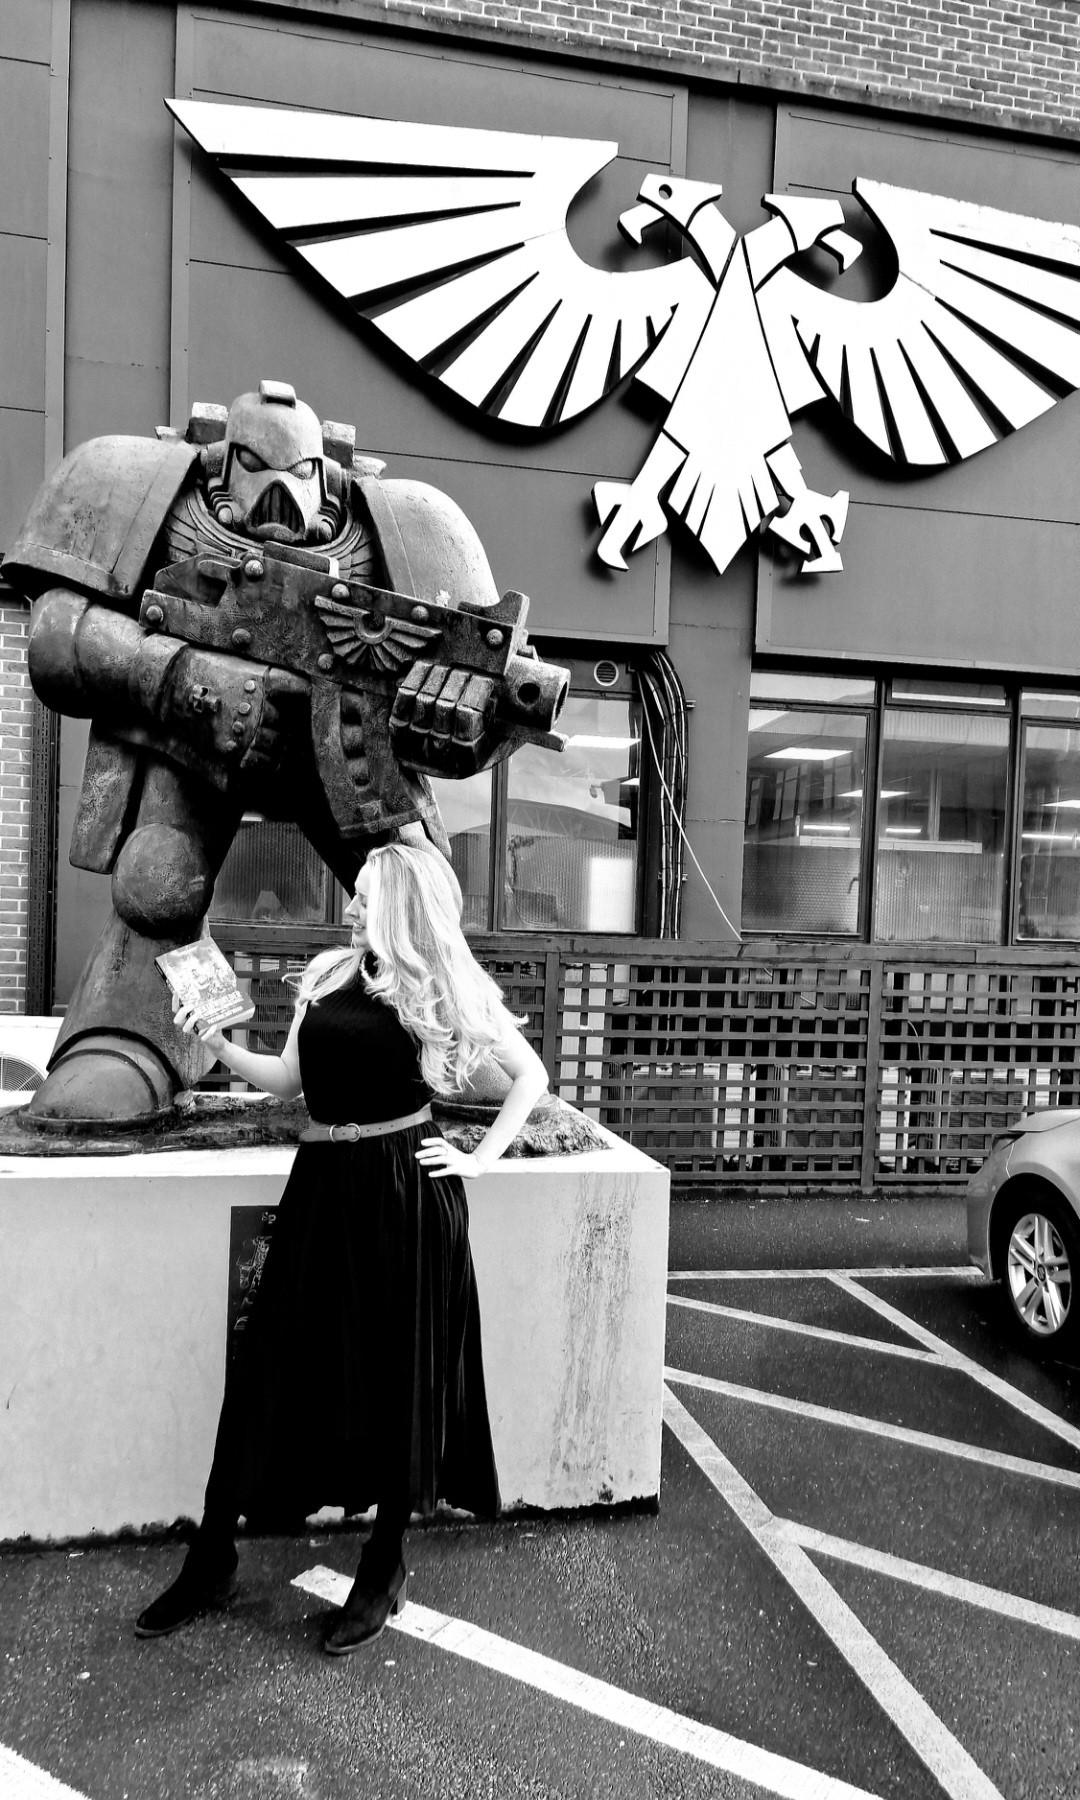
[(947, 693), (804, 814), (831, 690), (273, 876), (1037, 703), (572, 835), (941, 845), (1048, 902), (466, 812)]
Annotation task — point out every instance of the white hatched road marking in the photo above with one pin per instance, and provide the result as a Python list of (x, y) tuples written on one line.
[(22, 1780), (768, 1772), (936, 1581), (964, 1271), (955, 1359), (948, 1761), (796, 1325), (904, 1434)]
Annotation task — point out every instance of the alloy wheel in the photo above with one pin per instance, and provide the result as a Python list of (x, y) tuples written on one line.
[(1039, 1274)]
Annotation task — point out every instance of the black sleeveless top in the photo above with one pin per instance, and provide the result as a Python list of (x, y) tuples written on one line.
[(357, 1061)]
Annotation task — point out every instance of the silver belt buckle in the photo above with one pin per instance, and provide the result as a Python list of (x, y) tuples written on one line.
[(350, 1134)]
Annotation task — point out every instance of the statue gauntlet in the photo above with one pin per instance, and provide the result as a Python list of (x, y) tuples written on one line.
[(220, 705), (88, 661)]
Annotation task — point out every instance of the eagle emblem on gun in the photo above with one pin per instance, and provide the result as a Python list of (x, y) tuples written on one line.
[(360, 635)]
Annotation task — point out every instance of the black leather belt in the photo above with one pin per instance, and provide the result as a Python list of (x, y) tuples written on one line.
[(351, 1134)]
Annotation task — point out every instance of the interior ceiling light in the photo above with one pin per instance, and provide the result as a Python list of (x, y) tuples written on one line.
[(903, 831), (584, 742), (846, 829), (803, 753), (1063, 806), (886, 794)]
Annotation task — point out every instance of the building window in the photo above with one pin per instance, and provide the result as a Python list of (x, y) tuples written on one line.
[(1048, 878), (804, 820), (549, 842), (272, 876), (909, 783), (940, 864)]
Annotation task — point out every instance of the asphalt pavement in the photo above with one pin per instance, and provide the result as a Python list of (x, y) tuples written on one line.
[(863, 1578)]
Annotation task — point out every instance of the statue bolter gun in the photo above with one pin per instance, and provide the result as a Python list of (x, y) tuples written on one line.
[(442, 688)]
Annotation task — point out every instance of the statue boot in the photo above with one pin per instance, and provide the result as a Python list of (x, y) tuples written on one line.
[(119, 1060)]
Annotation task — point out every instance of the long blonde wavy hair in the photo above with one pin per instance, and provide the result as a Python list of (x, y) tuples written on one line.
[(424, 967)]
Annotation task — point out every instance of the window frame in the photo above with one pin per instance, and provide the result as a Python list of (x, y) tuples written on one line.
[(1014, 689), (1024, 720), (808, 705), (583, 684)]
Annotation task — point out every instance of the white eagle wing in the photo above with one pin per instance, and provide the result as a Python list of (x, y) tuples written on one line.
[(453, 243), (979, 334)]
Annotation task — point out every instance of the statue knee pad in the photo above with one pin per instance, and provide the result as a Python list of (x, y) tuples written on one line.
[(162, 884)]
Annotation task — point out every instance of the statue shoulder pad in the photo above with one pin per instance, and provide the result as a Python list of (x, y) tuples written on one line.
[(95, 518), (429, 547)]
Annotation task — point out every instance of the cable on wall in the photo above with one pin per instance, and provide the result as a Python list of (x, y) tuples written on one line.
[(663, 698)]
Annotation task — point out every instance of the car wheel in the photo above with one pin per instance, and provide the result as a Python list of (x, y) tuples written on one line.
[(1039, 1260)]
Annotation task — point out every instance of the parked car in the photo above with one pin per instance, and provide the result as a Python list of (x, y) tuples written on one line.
[(1023, 1217)]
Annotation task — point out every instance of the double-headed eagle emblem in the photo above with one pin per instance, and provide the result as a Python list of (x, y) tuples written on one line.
[(453, 243)]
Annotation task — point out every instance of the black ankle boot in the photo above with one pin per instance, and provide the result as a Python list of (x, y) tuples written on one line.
[(204, 1579), (363, 1617)]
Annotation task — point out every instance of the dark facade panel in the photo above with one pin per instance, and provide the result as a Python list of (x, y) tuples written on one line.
[(823, 152), (22, 454), (25, 31), (24, 146), (120, 185), (916, 589), (250, 312), (22, 311), (974, 563), (441, 84)]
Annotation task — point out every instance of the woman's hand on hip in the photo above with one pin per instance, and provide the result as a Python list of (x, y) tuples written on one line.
[(440, 1158)]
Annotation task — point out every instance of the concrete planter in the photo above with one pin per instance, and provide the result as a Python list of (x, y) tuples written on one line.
[(114, 1275)]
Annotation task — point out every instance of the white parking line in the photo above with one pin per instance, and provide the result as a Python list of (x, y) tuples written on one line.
[(903, 1434), (22, 1780), (955, 1359), (942, 1754), (797, 1326), (936, 1581), (965, 1272), (768, 1772)]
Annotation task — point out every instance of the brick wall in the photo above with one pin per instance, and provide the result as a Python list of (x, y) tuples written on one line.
[(1017, 62), (15, 733)]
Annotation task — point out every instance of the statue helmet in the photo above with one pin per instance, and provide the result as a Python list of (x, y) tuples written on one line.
[(272, 483)]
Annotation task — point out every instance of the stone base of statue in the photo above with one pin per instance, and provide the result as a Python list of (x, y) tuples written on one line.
[(123, 1276)]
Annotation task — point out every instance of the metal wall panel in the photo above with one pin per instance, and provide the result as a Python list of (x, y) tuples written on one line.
[(973, 564), (22, 458), (933, 587), (120, 177), (25, 31), (24, 145), (248, 312), (22, 313)]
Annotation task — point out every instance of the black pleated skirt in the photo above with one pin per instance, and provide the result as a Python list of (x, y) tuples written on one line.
[(359, 1375)]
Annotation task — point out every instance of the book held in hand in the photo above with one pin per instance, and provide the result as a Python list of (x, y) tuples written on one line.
[(200, 977)]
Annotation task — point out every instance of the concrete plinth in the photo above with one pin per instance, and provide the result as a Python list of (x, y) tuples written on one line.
[(113, 1288)]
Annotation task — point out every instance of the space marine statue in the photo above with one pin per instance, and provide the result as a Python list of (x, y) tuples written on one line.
[(252, 620)]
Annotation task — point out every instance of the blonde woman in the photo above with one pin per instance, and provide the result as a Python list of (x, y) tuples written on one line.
[(359, 1377)]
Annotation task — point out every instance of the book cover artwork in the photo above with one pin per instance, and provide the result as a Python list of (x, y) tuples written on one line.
[(200, 977)]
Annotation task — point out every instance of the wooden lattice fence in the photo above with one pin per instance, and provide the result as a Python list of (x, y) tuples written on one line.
[(782, 1066)]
